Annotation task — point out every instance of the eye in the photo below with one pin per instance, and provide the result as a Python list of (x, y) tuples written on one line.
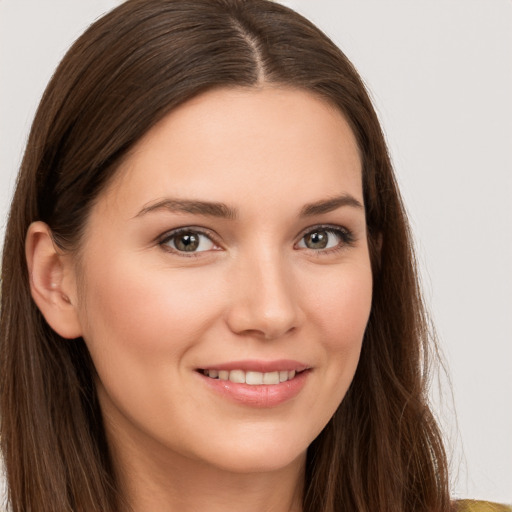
[(325, 238), (188, 241)]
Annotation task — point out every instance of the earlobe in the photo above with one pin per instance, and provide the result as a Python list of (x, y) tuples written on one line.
[(52, 281)]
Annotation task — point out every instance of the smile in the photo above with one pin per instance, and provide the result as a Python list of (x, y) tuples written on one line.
[(256, 383), (251, 378)]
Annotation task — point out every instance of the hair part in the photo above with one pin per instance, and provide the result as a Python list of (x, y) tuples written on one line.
[(382, 449)]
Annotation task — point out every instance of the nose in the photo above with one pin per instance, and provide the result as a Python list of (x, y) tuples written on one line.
[(264, 300)]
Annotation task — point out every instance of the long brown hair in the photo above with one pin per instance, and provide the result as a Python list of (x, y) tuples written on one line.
[(382, 450)]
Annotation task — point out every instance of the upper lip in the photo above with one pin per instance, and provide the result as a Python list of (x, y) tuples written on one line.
[(259, 366)]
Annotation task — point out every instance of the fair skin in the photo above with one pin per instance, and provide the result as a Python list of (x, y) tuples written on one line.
[(269, 278)]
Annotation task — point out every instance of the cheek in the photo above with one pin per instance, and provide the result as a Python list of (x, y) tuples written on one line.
[(341, 311), (143, 322), (338, 308), (342, 306), (147, 312)]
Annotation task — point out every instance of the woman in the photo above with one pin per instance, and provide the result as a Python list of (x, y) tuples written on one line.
[(208, 289)]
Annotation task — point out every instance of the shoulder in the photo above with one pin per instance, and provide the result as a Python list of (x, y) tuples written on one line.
[(480, 506)]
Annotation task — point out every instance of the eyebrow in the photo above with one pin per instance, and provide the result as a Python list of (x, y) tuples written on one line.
[(329, 205), (222, 210), (211, 209)]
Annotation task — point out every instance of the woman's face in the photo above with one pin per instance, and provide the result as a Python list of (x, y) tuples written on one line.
[(225, 280)]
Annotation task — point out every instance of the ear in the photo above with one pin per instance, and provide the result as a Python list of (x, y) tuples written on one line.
[(52, 281)]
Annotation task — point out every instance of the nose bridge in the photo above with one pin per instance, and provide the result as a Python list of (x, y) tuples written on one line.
[(264, 299)]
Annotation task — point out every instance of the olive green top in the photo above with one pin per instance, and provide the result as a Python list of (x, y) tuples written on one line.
[(481, 506)]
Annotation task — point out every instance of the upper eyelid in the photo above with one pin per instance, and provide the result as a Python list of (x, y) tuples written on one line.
[(327, 227), (346, 235), (162, 241), (184, 229)]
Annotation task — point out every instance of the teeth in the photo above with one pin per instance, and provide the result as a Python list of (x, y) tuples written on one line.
[(251, 378), (237, 376), (254, 378), (271, 378)]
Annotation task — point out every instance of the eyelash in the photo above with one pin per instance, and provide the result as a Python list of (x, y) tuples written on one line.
[(175, 233), (345, 236)]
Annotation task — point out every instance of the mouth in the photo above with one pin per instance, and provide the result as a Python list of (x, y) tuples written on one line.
[(256, 383), (252, 378)]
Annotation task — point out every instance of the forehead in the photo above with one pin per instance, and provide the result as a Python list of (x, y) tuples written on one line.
[(242, 142)]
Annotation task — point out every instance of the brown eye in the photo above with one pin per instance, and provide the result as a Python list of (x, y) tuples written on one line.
[(188, 241), (316, 240)]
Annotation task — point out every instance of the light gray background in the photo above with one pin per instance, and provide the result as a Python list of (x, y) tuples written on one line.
[(440, 74)]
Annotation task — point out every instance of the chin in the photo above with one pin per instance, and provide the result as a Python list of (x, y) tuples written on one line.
[(257, 453), (261, 462)]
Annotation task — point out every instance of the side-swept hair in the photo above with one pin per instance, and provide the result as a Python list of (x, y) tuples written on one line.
[(381, 451)]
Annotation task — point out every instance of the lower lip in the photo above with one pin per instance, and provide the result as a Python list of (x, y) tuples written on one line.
[(265, 395)]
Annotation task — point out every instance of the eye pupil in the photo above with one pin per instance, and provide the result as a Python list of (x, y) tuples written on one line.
[(187, 242), (317, 240)]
